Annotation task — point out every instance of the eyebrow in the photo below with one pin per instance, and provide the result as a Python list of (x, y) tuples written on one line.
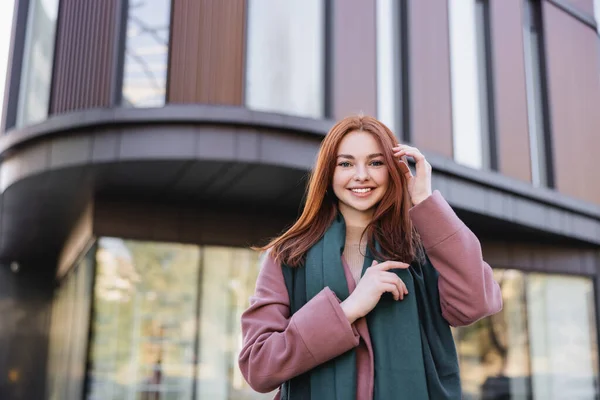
[(348, 156)]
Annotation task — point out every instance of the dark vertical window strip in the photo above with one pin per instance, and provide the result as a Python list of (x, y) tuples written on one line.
[(56, 64), (170, 53), (489, 77), (58, 88), (545, 95), (198, 315), (404, 90), (328, 58), (120, 36), (90, 335), (17, 49)]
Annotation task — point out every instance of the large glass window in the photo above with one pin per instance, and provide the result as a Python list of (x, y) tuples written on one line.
[(542, 345), (166, 321), (38, 59), (69, 332), (471, 120), (146, 53), (534, 75), (144, 323), (285, 57), (391, 66)]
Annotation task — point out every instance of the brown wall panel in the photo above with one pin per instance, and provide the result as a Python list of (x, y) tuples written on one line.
[(207, 52), (83, 66), (354, 69), (574, 91), (510, 97), (429, 69)]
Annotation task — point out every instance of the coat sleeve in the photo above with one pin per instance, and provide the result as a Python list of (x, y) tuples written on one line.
[(277, 347), (468, 291)]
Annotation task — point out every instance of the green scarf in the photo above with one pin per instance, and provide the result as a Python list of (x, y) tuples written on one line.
[(414, 352)]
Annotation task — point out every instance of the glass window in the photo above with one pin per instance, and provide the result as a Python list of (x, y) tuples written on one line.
[(469, 80), (69, 332), (146, 53), (494, 353), (563, 342), (285, 57), (534, 85), (38, 60), (389, 65), (228, 280), (144, 326), (542, 345)]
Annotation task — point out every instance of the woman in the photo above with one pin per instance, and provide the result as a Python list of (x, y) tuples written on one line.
[(356, 299)]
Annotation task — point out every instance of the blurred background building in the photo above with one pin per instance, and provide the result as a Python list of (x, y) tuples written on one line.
[(147, 143)]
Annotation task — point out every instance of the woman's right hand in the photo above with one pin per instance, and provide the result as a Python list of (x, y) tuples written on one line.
[(376, 281)]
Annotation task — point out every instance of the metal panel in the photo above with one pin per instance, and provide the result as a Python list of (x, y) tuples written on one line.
[(354, 68), (573, 65), (512, 132), (83, 67), (207, 52), (431, 112)]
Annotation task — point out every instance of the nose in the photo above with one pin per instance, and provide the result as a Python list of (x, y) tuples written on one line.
[(361, 174)]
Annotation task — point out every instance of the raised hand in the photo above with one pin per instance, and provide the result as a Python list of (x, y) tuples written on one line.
[(419, 186)]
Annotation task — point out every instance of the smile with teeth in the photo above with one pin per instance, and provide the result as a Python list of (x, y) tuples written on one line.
[(362, 190)]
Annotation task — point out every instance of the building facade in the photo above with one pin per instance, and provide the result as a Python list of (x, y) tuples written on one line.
[(146, 144)]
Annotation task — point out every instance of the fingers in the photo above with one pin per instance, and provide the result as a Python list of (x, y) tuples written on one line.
[(390, 277), (387, 265), (393, 289), (403, 150)]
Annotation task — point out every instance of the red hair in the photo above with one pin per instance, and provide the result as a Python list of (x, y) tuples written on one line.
[(391, 226)]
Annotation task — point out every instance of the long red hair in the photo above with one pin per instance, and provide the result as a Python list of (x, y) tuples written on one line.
[(391, 226)]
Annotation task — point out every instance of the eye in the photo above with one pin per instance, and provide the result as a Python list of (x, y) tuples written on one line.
[(344, 164), (377, 163)]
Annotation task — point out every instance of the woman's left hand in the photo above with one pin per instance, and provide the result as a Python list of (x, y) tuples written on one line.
[(419, 186)]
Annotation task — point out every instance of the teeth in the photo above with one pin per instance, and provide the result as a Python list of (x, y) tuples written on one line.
[(365, 190)]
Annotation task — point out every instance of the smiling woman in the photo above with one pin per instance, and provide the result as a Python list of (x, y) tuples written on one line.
[(375, 270)]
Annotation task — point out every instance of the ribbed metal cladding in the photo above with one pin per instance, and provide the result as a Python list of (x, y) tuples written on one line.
[(512, 129), (207, 52), (572, 70), (429, 58), (83, 60)]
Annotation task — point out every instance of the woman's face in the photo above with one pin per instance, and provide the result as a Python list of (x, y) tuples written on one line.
[(360, 178)]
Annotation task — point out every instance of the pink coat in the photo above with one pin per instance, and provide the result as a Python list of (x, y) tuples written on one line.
[(277, 347)]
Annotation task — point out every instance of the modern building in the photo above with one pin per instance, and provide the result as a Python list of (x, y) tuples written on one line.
[(146, 144)]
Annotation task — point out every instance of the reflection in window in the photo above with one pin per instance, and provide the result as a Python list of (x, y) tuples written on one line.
[(69, 332), (469, 80), (144, 324), (38, 59), (541, 346), (562, 330), (166, 321), (493, 353), (534, 76), (146, 53), (285, 57), (228, 280)]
